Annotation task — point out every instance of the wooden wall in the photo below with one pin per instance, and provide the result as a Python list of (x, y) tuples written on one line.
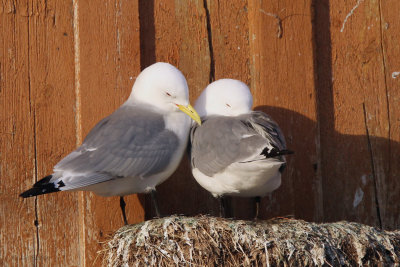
[(327, 71)]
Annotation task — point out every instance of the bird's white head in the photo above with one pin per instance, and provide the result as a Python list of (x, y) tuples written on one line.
[(225, 97), (162, 86)]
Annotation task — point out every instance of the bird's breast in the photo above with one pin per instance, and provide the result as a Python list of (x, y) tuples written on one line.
[(179, 123)]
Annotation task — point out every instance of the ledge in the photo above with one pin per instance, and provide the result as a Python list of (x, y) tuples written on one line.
[(210, 241)]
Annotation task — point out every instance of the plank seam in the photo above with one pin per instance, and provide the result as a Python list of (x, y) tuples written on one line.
[(78, 119), (386, 89), (35, 173), (210, 42), (378, 212), (78, 128), (322, 65)]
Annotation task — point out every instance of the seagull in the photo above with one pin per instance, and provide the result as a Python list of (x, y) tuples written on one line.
[(235, 151), (135, 148)]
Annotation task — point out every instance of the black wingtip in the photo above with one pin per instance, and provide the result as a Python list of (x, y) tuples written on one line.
[(270, 153), (43, 186), (34, 191), (44, 180)]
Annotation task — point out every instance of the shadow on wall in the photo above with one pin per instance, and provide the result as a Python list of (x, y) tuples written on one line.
[(357, 174), (147, 33), (346, 190)]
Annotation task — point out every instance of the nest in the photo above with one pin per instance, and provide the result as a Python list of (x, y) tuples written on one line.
[(209, 241)]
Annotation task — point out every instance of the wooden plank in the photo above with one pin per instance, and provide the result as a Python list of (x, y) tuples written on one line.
[(180, 38), (230, 39), (109, 63), (354, 127), (51, 44), (194, 52), (17, 152), (176, 32), (389, 185), (282, 82)]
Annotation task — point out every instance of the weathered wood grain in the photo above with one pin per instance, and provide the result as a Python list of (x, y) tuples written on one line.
[(281, 64), (109, 63), (390, 45), (229, 29), (17, 149), (51, 44), (327, 71), (51, 121), (354, 116)]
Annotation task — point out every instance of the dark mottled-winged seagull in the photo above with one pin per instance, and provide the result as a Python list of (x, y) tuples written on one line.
[(135, 148), (235, 151)]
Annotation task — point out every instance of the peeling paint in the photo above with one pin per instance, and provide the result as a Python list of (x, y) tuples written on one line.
[(279, 22), (358, 197), (395, 74), (364, 179), (350, 14)]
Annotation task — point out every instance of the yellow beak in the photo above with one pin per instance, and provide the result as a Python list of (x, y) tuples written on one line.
[(191, 112)]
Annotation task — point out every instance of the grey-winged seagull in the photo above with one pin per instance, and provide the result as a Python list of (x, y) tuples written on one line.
[(135, 148), (235, 151)]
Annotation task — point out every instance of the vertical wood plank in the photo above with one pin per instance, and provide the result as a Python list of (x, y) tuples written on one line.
[(354, 131), (230, 39), (52, 95), (17, 155), (390, 187), (282, 82), (180, 38), (194, 48), (109, 64)]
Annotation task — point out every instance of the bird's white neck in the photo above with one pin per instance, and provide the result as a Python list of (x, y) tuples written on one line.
[(178, 122)]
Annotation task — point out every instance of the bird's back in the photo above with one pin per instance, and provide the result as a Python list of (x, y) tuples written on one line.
[(131, 143), (238, 155)]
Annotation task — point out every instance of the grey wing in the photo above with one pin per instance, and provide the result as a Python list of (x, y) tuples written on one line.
[(266, 127), (222, 141), (131, 142)]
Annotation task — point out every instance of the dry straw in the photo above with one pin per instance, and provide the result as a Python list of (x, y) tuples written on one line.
[(209, 241)]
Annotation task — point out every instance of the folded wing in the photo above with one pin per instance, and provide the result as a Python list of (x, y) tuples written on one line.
[(222, 141), (131, 142)]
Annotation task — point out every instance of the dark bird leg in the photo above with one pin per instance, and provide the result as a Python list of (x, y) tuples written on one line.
[(225, 207), (154, 200), (122, 204), (257, 201), (221, 207)]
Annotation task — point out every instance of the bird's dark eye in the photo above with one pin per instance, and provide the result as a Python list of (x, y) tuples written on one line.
[(168, 94), (228, 105)]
